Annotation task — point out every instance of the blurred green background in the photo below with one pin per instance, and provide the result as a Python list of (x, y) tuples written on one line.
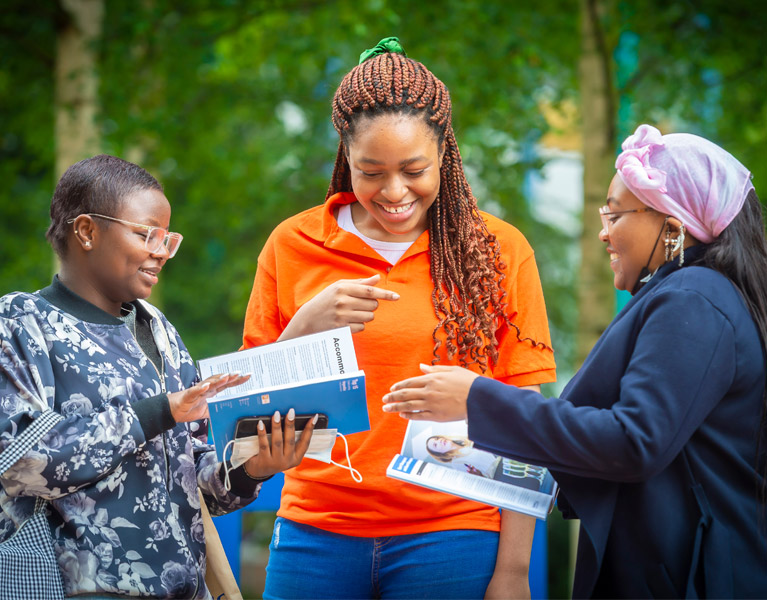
[(227, 103)]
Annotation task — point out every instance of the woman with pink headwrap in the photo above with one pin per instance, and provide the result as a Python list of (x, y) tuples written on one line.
[(658, 442)]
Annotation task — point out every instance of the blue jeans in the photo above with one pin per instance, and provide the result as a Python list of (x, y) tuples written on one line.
[(306, 562)]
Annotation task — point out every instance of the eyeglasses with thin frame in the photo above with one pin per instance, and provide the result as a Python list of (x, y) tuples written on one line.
[(605, 213), (156, 237)]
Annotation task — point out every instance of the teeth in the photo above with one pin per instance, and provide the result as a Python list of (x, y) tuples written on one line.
[(396, 209), (613, 256)]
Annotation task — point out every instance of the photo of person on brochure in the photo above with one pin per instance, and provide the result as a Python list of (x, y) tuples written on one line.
[(447, 444)]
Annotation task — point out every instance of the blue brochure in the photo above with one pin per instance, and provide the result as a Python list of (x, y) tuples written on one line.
[(340, 397)]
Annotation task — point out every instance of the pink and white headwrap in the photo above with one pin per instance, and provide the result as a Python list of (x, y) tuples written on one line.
[(685, 176)]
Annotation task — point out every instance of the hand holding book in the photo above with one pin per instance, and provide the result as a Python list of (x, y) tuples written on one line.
[(284, 451), (310, 374)]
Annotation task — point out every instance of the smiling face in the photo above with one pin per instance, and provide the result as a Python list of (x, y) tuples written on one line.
[(395, 172), (440, 445), (118, 267), (631, 236)]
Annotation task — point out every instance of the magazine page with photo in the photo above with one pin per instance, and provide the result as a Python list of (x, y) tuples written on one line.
[(447, 444), (441, 456)]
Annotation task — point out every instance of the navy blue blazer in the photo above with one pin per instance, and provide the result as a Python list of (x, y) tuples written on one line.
[(653, 443)]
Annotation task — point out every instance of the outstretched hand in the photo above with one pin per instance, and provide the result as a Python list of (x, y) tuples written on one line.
[(191, 404), (439, 395), (351, 302), (285, 452)]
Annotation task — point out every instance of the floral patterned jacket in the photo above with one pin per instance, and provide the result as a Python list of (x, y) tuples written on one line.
[(125, 510)]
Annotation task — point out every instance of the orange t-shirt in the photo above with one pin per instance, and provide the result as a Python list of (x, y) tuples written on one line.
[(304, 255)]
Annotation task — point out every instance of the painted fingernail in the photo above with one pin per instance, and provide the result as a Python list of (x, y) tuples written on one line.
[(395, 296), (315, 419), (260, 425), (276, 416), (291, 414), (205, 386)]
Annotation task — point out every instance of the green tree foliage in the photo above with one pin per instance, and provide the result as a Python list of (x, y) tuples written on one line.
[(227, 103), (235, 120), (699, 67), (27, 47)]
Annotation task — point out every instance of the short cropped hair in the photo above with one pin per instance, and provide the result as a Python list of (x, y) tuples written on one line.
[(95, 185)]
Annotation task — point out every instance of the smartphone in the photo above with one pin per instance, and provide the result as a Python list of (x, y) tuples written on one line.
[(248, 426)]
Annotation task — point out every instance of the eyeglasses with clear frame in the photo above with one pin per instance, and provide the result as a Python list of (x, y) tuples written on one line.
[(156, 237), (605, 213)]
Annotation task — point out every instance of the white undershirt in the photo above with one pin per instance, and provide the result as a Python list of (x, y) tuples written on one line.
[(391, 251)]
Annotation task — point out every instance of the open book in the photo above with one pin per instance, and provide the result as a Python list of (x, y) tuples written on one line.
[(312, 374), (440, 456)]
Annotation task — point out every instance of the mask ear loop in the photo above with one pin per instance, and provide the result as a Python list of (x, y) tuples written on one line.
[(354, 472), (228, 465), (644, 274), (356, 475)]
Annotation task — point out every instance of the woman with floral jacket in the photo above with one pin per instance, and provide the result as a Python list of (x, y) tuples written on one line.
[(123, 470)]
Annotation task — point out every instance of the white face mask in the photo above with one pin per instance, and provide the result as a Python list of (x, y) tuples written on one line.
[(320, 448)]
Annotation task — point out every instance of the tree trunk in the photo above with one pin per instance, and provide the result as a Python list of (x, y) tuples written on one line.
[(596, 293), (596, 299), (77, 82)]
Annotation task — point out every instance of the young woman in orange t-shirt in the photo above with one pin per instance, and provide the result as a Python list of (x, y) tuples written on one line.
[(402, 255)]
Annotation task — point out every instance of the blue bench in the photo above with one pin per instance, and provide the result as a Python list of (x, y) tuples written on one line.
[(230, 529)]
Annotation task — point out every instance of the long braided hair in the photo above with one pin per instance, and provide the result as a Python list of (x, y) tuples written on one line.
[(465, 258)]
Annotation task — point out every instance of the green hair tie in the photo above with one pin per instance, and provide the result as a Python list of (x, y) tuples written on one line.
[(389, 44)]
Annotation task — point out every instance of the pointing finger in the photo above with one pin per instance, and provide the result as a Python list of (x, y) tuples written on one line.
[(372, 280), (372, 292)]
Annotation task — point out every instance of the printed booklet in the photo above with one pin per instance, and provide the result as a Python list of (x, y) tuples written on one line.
[(440, 456), (312, 374)]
